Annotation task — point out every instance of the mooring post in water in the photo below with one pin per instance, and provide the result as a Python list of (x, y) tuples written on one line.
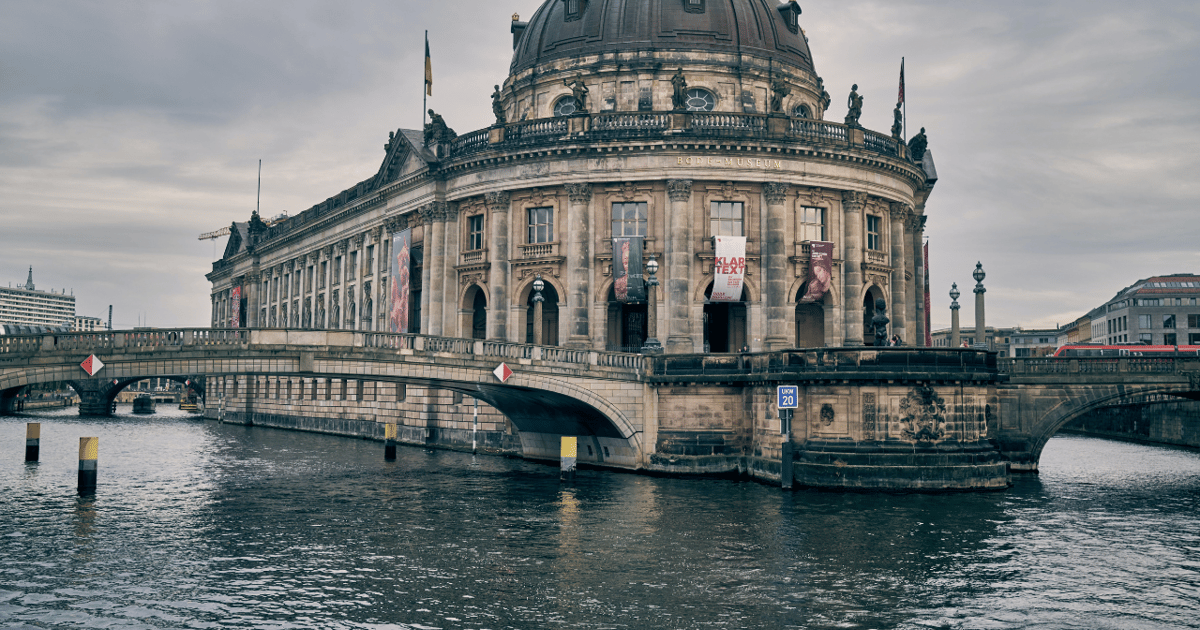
[(88, 453), (786, 470), (570, 448), (475, 429), (33, 441), (389, 442)]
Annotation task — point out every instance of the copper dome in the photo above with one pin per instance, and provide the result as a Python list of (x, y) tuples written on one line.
[(762, 28)]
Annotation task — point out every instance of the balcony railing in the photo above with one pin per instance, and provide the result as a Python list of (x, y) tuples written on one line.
[(539, 250)]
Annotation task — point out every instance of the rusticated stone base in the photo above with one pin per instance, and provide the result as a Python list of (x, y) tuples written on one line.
[(947, 467)]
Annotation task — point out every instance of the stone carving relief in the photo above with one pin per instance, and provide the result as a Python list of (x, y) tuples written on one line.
[(679, 189), (579, 193), (869, 416), (923, 415), (826, 417), (497, 201), (775, 192), (853, 200)]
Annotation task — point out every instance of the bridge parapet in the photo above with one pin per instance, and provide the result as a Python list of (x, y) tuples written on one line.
[(846, 363)]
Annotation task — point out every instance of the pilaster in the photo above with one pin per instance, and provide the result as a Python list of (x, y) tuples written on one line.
[(449, 299), (899, 307), (498, 302), (775, 265), (677, 294), (578, 264), (852, 207)]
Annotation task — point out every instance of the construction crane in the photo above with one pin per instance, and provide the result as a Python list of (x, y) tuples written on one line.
[(215, 234)]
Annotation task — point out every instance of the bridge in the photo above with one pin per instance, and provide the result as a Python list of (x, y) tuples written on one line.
[(553, 391), (869, 417), (1040, 396)]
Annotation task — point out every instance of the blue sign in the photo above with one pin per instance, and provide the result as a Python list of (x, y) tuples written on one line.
[(789, 397)]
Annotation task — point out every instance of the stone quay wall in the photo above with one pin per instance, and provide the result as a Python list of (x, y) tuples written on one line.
[(1170, 421)]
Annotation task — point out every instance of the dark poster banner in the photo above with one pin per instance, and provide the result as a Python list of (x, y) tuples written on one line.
[(627, 269), (928, 332), (400, 283), (820, 272), (235, 308)]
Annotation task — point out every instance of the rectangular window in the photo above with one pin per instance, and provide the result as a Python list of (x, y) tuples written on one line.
[(1144, 322), (337, 270), (1169, 339), (541, 225), (629, 219), (1194, 320), (369, 263), (1146, 337), (475, 232), (726, 218), (353, 268), (874, 242), (1193, 339), (812, 224), (1168, 321)]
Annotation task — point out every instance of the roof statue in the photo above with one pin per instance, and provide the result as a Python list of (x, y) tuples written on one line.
[(779, 91), (498, 107), (579, 92), (437, 131), (917, 146), (897, 122), (855, 104), (679, 92)]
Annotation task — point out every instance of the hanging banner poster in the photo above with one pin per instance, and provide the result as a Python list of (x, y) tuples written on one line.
[(820, 272), (235, 308), (628, 284), (730, 269), (928, 332), (400, 285)]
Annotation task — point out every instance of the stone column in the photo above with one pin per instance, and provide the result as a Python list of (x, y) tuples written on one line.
[(579, 270), (379, 287), (980, 327), (955, 331), (677, 294), (343, 283), (328, 275), (852, 278), (775, 255), (252, 292), (899, 212), (357, 274), (448, 296), (428, 267), (497, 203)]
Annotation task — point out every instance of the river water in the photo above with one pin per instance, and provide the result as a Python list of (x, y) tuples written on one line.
[(202, 525)]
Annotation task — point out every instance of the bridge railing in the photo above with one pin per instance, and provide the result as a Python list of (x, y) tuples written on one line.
[(900, 359), (91, 342), (1094, 365)]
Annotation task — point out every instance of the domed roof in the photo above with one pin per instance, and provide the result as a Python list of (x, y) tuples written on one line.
[(757, 27)]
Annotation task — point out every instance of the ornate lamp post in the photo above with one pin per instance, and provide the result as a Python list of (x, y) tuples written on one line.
[(652, 345), (980, 330), (538, 285), (955, 337)]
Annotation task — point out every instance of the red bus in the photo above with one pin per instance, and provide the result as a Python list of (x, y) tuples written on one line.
[(1071, 351)]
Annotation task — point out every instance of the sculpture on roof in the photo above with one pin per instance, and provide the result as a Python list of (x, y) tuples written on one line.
[(498, 107), (854, 103), (436, 130), (779, 91), (679, 93), (917, 146), (579, 92), (897, 122)]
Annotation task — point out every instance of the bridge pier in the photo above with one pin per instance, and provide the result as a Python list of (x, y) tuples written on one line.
[(95, 396)]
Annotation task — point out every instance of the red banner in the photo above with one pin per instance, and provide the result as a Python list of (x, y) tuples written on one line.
[(928, 332), (235, 307), (820, 272)]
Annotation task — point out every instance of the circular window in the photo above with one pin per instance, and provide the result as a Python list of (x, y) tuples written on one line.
[(700, 100), (565, 106)]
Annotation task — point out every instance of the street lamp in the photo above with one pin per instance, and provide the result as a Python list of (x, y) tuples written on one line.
[(538, 285), (652, 345), (980, 327)]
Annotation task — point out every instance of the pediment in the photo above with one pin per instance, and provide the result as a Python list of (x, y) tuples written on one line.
[(403, 158)]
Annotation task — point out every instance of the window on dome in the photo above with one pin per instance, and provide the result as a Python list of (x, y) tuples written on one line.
[(791, 15), (565, 106), (802, 111), (574, 9), (693, 6), (699, 100)]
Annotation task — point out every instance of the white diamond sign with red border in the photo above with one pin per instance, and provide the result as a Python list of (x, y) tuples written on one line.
[(502, 372), (91, 365)]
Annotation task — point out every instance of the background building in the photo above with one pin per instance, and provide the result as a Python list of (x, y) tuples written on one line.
[(1162, 310), (83, 323), (26, 306)]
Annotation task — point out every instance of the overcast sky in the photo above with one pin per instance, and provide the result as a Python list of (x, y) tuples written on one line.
[(1066, 133)]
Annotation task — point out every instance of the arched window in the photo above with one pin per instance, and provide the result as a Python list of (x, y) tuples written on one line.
[(565, 106), (802, 111), (699, 100)]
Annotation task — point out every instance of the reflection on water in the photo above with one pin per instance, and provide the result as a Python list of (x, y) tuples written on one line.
[(198, 525)]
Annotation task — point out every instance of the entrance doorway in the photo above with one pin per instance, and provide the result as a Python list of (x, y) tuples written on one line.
[(479, 315), (868, 314), (724, 324), (549, 317), (627, 323), (810, 322)]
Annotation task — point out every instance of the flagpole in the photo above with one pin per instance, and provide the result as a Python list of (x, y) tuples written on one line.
[(905, 101), (424, 85)]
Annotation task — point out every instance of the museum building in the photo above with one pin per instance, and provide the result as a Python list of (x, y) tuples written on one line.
[(676, 121), (662, 129)]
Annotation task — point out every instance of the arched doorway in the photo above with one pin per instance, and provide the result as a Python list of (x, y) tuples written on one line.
[(549, 316), (478, 313), (627, 324), (869, 313), (724, 324), (810, 321)]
